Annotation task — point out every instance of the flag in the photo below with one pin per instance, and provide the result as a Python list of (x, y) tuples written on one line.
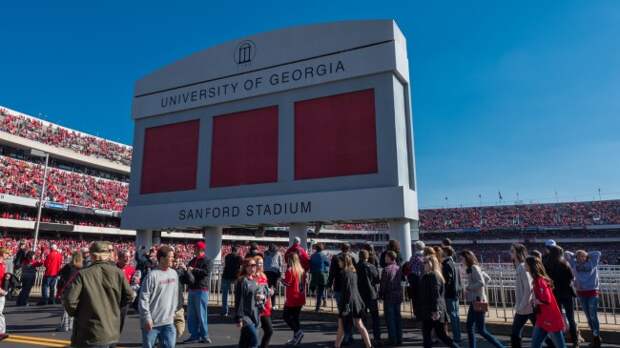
[(499, 193)]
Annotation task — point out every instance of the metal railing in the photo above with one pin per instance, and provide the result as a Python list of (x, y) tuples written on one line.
[(500, 291)]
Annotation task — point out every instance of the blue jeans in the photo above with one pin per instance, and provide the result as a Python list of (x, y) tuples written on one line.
[(167, 335), (477, 319), (452, 306), (539, 335), (197, 304), (249, 336), (225, 290), (590, 308), (49, 289), (347, 322), (394, 322)]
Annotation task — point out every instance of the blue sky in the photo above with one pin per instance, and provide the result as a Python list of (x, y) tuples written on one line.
[(520, 96)]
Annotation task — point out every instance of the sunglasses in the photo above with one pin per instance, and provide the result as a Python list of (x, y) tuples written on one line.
[(251, 265)]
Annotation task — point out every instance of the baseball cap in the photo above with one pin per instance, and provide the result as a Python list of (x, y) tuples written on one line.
[(419, 245), (200, 245), (297, 240), (550, 243)]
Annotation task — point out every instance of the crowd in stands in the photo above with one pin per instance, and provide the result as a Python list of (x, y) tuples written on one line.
[(50, 134), (521, 216), (57, 217), (21, 178)]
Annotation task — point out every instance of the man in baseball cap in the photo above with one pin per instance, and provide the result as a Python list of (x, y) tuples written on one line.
[(198, 296)]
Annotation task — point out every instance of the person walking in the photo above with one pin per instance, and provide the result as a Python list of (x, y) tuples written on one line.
[(232, 265), (368, 280), (132, 275), (334, 281), (562, 277), (452, 278), (67, 274), (475, 295), (198, 297), (159, 301), (94, 298), (319, 273), (52, 263), (294, 281), (523, 294), (246, 310), (431, 307), (585, 266), (274, 264), (391, 294), (263, 301), (28, 277), (4, 254), (549, 320), (414, 269), (351, 305)]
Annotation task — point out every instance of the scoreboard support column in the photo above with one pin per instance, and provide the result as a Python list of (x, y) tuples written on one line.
[(298, 230), (213, 240), (400, 230), (144, 238)]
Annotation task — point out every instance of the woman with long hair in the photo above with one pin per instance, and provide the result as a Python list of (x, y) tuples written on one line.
[(351, 304), (391, 293), (431, 307), (549, 320), (246, 310), (523, 294), (263, 301), (67, 274), (562, 277), (475, 291), (294, 281)]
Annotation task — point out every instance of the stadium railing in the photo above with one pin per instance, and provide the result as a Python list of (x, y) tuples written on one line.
[(501, 294)]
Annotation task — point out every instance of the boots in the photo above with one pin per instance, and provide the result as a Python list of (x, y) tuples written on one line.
[(596, 342)]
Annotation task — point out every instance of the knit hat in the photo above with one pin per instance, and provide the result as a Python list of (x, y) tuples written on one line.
[(99, 247), (200, 245)]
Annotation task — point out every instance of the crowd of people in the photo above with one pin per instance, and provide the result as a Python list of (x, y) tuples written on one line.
[(153, 281), (521, 216), (54, 135), (24, 179)]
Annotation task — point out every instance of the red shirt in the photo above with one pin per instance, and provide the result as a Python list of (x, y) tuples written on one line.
[(2, 272), (295, 289), (128, 271), (52, 263), (549, 317), (304, 259), (262, 280)]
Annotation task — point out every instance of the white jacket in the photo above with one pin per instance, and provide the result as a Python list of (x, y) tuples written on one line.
[(523, 291)]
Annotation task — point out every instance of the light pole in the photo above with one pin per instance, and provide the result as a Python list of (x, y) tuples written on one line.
[(38, 153)]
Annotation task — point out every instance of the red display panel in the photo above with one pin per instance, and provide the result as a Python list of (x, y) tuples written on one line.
[(170, 157), (335, 136), (244, 148)]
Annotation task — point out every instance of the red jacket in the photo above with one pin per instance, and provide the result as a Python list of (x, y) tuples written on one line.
[(548, 316), (304, 259), (2, 272), (295, 289), (262, 280), (52, 263), (128, 271)]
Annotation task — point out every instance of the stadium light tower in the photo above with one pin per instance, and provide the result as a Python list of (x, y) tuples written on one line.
[(41, 154)]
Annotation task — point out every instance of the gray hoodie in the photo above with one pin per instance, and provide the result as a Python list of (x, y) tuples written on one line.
[(159, 297), (523, 291)]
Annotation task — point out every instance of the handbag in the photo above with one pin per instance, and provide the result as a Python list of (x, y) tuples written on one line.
[(481, 306)]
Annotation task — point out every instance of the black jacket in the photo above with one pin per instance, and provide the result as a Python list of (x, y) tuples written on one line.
[(562, 277), (453, 278), (335, 275), (367, 281), (201, 272), (246, 310), (232, 264), (430, 295)]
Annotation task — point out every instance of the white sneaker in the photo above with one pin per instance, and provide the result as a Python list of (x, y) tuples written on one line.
[(298, 337)]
